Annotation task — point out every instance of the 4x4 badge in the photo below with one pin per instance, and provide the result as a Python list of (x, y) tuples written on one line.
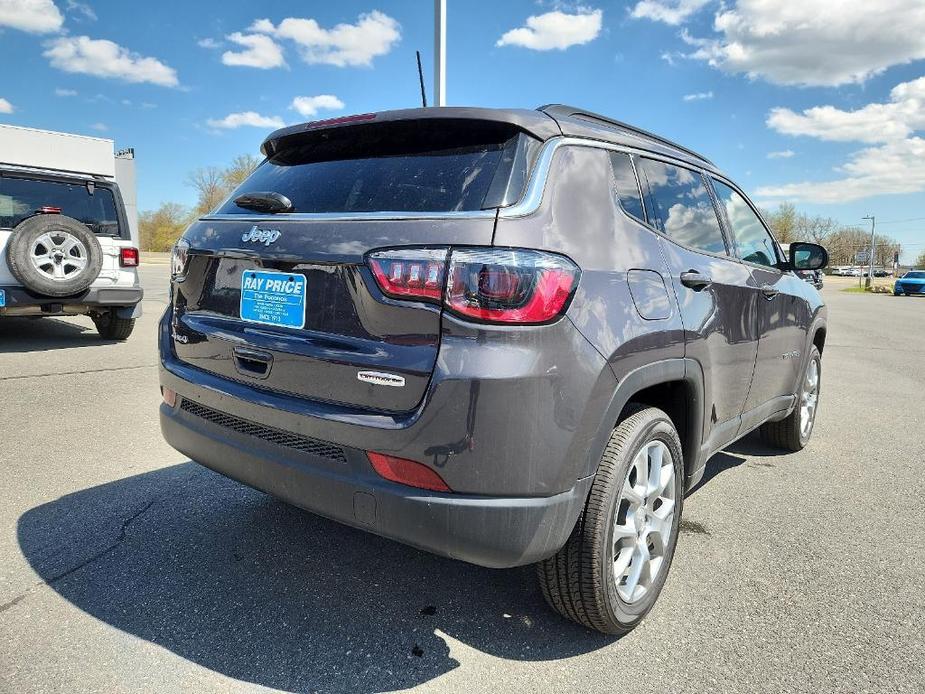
[(258, 235)]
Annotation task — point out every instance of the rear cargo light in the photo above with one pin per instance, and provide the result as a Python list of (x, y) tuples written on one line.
[(491, 285), (509, 286), (128, 257), (407, 472), (416, 273)]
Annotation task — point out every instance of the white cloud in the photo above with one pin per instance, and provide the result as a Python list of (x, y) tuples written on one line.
[(698, 96), (260, 51), (902, 115), (6, 106), (246, 118), (209, 43), (781, 154), (83, 10), (100, 127), (814, 42), (672, 12), (103, 58), (372, 36), (555, 30), (310, 105), (34, 16), (895, 165), (65, 92)]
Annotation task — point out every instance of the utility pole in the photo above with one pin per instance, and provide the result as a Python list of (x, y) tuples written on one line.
[(870, 275), (439, 52)]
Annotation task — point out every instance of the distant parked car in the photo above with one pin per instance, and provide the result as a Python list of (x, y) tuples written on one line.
[(913, 282), (813, 277)]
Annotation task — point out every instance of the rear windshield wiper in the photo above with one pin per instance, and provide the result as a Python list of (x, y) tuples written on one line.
[(264, 202)]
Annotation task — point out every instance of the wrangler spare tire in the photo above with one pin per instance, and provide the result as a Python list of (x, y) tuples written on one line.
[(54, 255)]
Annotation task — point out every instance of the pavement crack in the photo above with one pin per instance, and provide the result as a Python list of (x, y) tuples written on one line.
[(81, 371), (123, 533)]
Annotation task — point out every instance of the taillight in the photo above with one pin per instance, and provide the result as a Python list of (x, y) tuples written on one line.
[(128, 257), (509, 286), (407, 472), (491, 285), (416, 273)]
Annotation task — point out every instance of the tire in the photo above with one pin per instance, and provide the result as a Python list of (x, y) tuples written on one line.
[(54, 255), (790, 434), (111, 327), (581, 581)]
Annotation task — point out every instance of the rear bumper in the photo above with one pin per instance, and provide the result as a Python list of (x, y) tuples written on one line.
[(488, 531), (18, 297)]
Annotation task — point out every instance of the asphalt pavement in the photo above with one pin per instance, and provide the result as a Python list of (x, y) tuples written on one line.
[(124, 567)]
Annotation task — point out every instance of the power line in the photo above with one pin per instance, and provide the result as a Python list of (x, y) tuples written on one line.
[(901, 221)]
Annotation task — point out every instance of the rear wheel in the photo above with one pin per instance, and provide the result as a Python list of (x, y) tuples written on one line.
[(794, 431), (610, 572), (111, 327)]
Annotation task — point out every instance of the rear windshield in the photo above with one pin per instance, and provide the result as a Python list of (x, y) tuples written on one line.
[(385, 169), (21, 197)]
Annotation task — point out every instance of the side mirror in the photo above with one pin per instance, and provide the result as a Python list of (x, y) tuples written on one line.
[(808, 256)]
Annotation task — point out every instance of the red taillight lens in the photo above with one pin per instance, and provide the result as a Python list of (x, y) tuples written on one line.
[(48, 209), (416, 273), (128, 257), (407, 472), (509, 286)]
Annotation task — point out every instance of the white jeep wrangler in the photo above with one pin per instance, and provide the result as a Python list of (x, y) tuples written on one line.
[(65, 245)]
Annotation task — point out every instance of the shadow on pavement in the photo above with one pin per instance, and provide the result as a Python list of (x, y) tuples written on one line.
[(265, 593), (40, 334)]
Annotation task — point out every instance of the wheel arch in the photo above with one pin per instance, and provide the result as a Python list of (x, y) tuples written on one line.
[(672, 385)]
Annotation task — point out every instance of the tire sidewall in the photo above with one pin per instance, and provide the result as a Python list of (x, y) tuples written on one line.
[(19, 248), (814, 355), (658, 429)]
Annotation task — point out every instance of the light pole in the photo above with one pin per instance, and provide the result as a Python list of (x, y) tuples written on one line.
[(870, 275), (439, 52)]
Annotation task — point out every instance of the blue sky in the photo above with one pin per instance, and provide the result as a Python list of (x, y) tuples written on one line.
[(813, 101)]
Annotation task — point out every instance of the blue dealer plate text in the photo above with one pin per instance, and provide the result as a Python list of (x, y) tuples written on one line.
[(273, 298)]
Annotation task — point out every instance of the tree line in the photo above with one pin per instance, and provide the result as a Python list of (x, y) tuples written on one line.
[(842, 242), (160, 228)]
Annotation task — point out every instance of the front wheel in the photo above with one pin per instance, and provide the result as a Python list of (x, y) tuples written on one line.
[(793, 432), (610, 572)]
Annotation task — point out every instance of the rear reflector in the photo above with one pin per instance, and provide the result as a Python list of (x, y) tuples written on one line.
[(129, 257), (407, 472), (48, 209), (170, 396)]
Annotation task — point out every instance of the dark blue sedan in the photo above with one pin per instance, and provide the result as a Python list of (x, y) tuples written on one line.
[(913, 282)]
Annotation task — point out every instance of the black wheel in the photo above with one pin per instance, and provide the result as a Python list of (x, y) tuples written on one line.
[(610, 572), (111, 327), (54, 255), (794, 431)]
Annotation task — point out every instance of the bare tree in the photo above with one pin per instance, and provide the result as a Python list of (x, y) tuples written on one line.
[(240, 168), (209, 182)]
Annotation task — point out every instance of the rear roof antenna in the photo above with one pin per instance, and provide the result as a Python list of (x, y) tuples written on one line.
[(421, 78)]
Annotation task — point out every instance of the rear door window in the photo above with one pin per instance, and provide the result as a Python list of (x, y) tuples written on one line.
[(753, 241), (626, 185), (680, 206), (403, 167), (21, 197)]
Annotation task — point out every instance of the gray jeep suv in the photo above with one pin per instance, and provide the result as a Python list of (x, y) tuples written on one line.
[(503, 336)]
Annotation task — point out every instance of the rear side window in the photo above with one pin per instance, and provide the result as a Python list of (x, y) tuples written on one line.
[(680, 206), (21, 197), (406, 167), (753, 241), (627, 188)]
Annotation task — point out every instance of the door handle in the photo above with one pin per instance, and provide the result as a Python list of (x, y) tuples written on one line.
[(252, 362), (769, 291), (695, 280)]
